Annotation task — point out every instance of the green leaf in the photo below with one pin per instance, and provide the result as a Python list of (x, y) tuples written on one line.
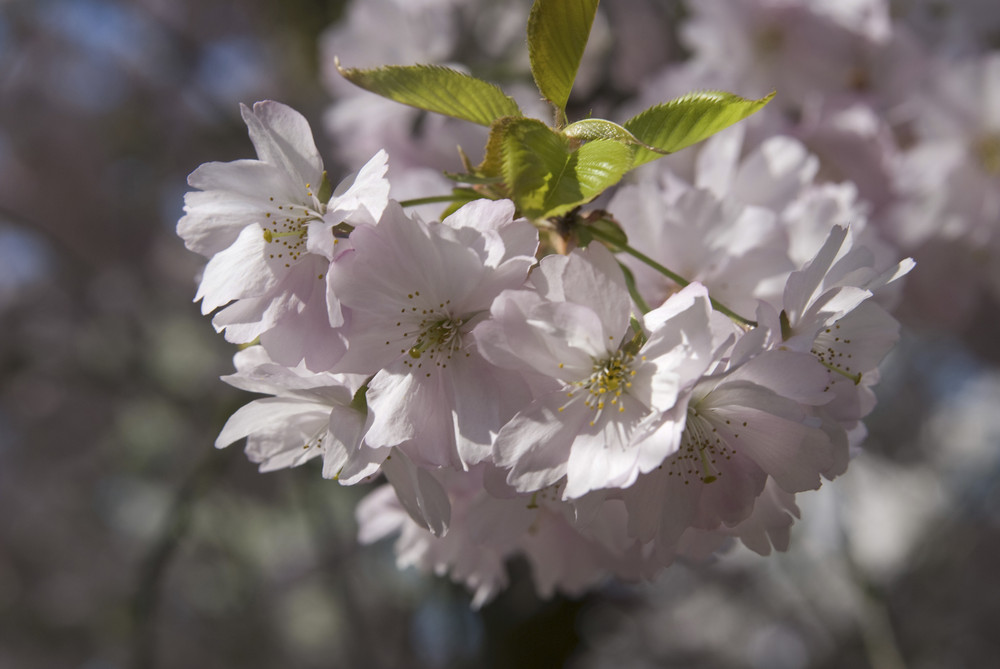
[(589, 171), (598, 128), (557, 35), (546, 177), (436, 89), (687, 120)]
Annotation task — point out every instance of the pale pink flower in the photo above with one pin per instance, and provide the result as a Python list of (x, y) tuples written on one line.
[(739, 427), (827, 311), (604, 391), (415, 292), (270, 237), (312, 415), (767, 528), (307, 415)]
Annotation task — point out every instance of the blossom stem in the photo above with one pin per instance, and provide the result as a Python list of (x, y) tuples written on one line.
[(633, 290), (673, 276), (434, 199)]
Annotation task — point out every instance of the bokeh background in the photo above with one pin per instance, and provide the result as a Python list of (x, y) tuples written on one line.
[(127, 541)]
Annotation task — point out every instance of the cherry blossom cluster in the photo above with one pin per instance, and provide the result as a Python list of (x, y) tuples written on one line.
[(897, 97), (582, 409)]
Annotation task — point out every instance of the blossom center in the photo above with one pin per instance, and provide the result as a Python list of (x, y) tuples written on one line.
[(430, 335), (437, 337), (606, 386), (834, 352), (702, 448), (286, 227)]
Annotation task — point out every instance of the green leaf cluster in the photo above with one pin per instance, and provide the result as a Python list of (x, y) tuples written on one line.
[(550, 170)]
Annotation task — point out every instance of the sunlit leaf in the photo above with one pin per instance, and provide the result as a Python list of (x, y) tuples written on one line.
[(674, 125), (590, 170), (492, 165), (557, 35), (546, 177), (598, 128), (436, 89)]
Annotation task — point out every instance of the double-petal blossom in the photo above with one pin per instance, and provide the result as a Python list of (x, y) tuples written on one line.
[(606, 389), (415, 291), (269, 227)]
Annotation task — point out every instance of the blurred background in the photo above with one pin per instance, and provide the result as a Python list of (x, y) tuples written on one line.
[(128, 541)]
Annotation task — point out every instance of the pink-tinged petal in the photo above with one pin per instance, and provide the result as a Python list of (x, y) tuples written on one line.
[(503, 245), (692, 295), (237, 272), (371, 345), (797, 376), (417, 256), (510, 274), (522, 334), (857, 342), (360, 467), (291, 319), (509, 322), (256, 372), (399, 257), (842, 445), (360, 199), (828, 307), (214, 219), (281, 432), (660, 507), (603, 456), (662, 438), (270, 415), (483, 216), (321, 241), (483, 398), (562, 559), (770, 430), (575, 337), (803, 284), (520, 240), (593, 278), (301, 329), (679, 348), (770, 523), (242, 181), (729, 499), (245, 320), (657, 385), (282, 137), (407, 410), (419, 492), (346, 427), (535, 444)]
